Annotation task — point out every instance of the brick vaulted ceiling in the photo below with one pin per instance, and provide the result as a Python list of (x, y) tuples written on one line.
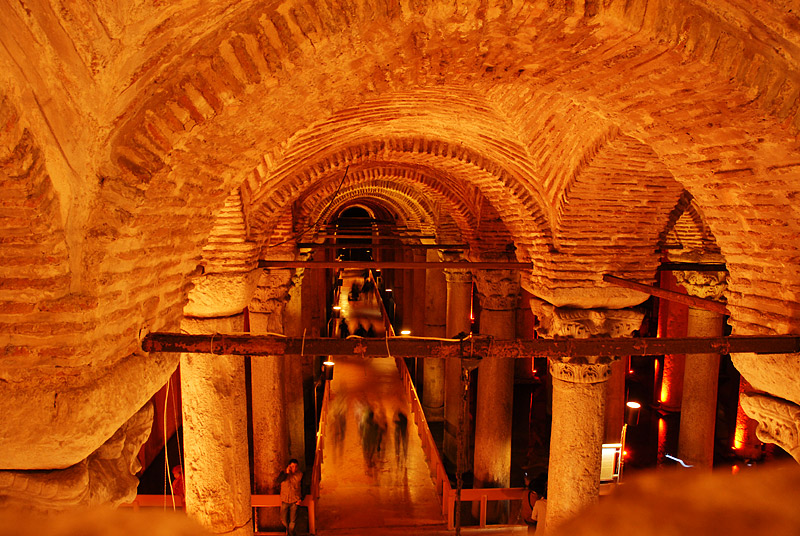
[(570, 130)]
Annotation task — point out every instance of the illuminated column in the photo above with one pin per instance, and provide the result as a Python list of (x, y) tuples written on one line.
[(699, 403), (745, 438), (215, 442), (498, 291), (579, 402), (459, 306), (435, 318), (672, 317), (271, 392)]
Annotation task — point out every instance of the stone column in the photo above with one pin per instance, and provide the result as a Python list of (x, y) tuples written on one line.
[(499, 292), (415, 317), (435, 318), (216, 463), (671, 323), (615, 402), (699, 402), (270, 392), (579, 402), (459, 303), (294, 326)]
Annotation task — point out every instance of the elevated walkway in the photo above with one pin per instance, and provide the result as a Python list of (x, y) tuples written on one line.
[(385, 492)]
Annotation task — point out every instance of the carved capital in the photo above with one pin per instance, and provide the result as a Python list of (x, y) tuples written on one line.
[(455, 275), (272, 292), (570, 370), (778, 421), (498, 290), (711, 285), (584, 323)]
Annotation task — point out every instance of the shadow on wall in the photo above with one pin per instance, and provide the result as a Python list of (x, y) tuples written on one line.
[(669, 502)]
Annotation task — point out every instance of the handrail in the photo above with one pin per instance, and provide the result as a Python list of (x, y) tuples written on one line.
[(443, 488), (316, 470)]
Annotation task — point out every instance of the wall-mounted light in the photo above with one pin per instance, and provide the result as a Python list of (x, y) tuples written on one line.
[(337, 307), (632, 413), (327, 370), (405, 332)]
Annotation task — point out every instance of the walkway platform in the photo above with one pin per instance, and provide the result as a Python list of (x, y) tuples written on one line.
[(397, 494)]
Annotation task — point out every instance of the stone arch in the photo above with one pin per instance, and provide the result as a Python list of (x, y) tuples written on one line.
[(396, 182)]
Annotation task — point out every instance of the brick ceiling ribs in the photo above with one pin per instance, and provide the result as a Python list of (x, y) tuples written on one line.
[(569, 131)]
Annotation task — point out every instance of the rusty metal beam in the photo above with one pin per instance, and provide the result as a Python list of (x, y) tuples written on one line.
[(392, 264), (476, 346), (691, 301), (369, 245)]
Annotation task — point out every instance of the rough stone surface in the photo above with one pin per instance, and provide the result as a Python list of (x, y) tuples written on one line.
[(676, 501), (140, 141)]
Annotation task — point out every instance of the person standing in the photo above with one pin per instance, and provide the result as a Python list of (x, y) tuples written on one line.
[(290, 479)]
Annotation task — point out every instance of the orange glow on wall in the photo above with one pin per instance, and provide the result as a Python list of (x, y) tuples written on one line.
[(739, 434), (662, 441), (665, 383)]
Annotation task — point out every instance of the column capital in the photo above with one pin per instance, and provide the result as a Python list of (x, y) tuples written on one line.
[(778, 421), (584, 323), (579, 370), (498, 289), (710, 285), (272, 291), (458, 275)]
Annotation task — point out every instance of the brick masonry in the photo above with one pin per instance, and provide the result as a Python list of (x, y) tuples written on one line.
[(136, 146)]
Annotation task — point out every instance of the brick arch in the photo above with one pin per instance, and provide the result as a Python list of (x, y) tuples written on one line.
[(408, 210), (274, 58), (449, 171), (405, 184)]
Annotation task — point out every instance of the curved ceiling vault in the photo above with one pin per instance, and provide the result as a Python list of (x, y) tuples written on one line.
[(517, 110)]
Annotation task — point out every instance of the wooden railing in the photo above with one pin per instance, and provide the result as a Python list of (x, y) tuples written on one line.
[(435, 464), (444, 490)]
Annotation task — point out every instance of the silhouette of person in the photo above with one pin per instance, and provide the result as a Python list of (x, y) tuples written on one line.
[(401, 437), (360, 331), (344, 331)]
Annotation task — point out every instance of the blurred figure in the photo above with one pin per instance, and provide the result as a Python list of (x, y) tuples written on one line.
[(339, 413), (344, 331), (401, 437), (370, 331), (360, 331), (369, 440)]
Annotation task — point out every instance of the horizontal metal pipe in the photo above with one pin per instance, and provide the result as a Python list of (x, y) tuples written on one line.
[(393, 264), (474, 347)]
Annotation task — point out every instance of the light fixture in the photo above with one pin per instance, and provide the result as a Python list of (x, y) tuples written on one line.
[(405, 332), (327, 370), (337, 307), (632, 413)]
